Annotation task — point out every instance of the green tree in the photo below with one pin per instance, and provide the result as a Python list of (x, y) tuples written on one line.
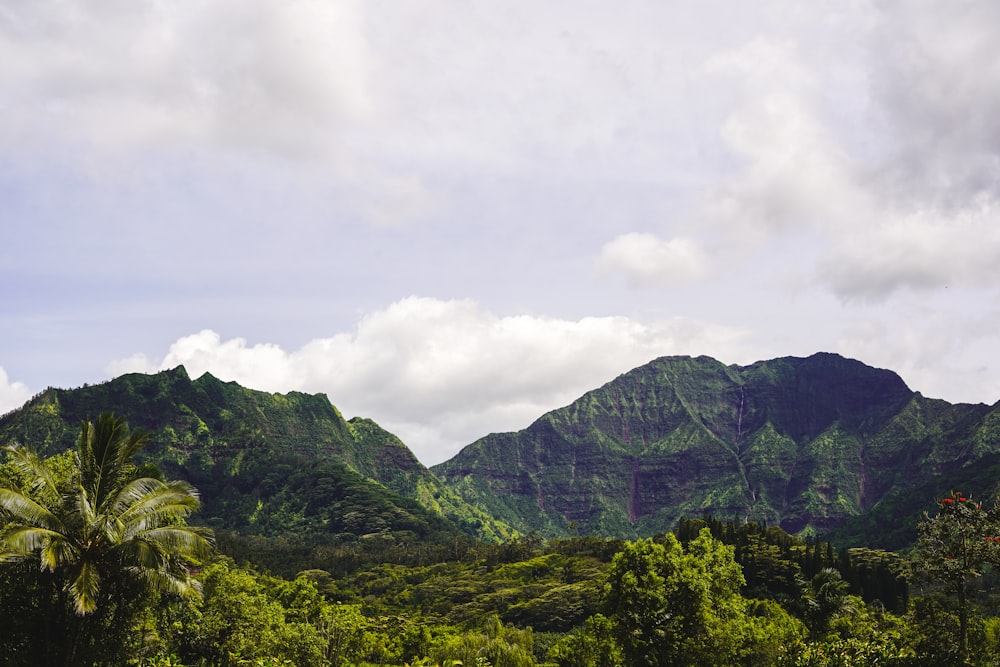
[(240, 619), (824, 599), (592, 645), (675, 607), (954, 547), (110, 536), (492, 643)]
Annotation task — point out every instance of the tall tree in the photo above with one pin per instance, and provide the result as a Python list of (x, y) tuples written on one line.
[(824, 598), (671, 606), (955, 546), (107, 533)]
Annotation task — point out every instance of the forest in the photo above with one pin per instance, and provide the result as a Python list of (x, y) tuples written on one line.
[(103, 562)]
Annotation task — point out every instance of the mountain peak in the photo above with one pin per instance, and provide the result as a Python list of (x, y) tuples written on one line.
[(794, 441)]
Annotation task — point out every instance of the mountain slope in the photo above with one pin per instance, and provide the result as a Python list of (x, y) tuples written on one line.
[(269, 464), (802, 443)]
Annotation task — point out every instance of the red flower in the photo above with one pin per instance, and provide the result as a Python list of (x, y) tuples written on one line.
[(948, 500)]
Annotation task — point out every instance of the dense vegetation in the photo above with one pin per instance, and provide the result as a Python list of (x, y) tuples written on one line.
[(654, 522), (708, 593)]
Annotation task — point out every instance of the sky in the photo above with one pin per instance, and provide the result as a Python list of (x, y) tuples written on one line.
[(453, 216)]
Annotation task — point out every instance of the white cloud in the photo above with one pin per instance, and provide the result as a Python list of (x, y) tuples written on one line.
[(265, 76), (12, 394), (919, 250), (895, 188), (441, 373), (796, 174), (649, 261)]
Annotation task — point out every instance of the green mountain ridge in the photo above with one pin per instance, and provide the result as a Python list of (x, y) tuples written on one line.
[(822, 444), (282, 466), (810, 444)]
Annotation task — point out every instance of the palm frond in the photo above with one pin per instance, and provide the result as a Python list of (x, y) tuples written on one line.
[(25, 540), (165, 503), (106, 448), (86, 509), (144, 495), (176, 580), (34, 468), (20, 508), (85, 587), (193, 541), (58, 551), (133, 492)]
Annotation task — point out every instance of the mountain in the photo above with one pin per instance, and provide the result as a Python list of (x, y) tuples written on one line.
[(284, 466), (821, 444), (816, 444)]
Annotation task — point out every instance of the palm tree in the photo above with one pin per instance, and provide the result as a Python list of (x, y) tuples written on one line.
[(108, 527), (825, 598)]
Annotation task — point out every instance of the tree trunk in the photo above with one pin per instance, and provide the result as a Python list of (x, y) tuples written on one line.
[(963, 623)]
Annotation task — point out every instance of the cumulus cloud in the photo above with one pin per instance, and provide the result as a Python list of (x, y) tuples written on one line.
[(441, 373), (12, 394), (648, 260)]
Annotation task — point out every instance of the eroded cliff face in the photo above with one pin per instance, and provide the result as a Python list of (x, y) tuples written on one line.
[(798, 442)]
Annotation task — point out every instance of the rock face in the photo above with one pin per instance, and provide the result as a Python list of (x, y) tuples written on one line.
[(804, 443)]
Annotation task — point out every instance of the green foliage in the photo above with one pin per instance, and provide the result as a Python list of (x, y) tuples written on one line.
[(241, 618), (162, 661), (766, 633), (775, 564), (593, 645), (490, 643), (851, 652), (106, 539), (670, 605), (954, 548), (825, 599)]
